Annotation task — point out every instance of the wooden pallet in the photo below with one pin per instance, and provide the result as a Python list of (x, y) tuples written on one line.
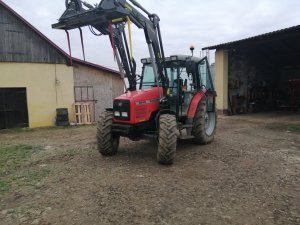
[(83, 113)]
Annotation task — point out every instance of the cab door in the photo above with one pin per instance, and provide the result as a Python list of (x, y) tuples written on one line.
[(205, 84)]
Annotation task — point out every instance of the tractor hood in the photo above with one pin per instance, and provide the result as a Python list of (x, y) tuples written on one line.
[(143, 103), (142, 96)]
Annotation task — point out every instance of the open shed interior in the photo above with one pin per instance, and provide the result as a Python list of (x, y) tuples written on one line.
[(264, 73)]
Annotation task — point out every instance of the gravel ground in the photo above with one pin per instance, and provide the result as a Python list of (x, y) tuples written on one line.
[(250, 175)]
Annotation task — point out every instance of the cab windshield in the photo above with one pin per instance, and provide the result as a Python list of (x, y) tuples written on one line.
[(149, 80)]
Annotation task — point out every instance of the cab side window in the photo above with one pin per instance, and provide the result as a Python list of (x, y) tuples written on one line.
[(204, 77), (148, 77)]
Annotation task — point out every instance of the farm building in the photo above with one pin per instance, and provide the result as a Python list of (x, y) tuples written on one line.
[(36, 77), (96, 85), (260, 73)]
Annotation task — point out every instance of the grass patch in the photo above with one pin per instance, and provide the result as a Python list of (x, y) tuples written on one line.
[(28, 177), (72, 152), (12, 157), (4, 185), (22, 178), (14, 167), (284, 126), (54, 128), (295, 127), (16, 130)]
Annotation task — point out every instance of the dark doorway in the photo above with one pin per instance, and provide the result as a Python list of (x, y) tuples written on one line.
[(13, 108)]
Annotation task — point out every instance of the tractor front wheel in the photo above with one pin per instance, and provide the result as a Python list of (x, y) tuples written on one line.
[(205, 124), (107, 142), (167, 139)]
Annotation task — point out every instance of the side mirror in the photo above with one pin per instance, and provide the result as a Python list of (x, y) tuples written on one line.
[(190, 67)]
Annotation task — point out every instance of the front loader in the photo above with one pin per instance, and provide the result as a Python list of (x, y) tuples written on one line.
[(174, 98)]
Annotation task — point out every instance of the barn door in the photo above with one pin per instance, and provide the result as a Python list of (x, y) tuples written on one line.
[(13, 108)]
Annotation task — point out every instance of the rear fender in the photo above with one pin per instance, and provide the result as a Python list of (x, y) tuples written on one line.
[(194, 104)]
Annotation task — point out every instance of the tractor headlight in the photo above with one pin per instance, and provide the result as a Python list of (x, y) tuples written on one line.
[(125, 114), (121, 110), (117, 114)]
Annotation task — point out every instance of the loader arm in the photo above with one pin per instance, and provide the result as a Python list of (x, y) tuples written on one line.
[(110, 18)]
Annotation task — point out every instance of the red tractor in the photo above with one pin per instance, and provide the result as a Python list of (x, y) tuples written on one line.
[(173, 99)]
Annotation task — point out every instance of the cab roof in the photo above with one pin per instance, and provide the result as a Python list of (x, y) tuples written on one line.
[(183, 58)]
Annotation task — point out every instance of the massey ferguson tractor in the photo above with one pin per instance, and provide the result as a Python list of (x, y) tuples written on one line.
[(173, 98)]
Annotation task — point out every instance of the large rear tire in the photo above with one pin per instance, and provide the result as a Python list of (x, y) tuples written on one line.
[(205, 124), (107, 142), (167, 139)]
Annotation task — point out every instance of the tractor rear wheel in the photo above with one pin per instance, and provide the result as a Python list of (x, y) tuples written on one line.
[(107, 142), (205, 124), (167, 139)]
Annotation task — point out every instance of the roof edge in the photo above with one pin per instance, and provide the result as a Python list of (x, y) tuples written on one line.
[(82, 62), (253, 38)]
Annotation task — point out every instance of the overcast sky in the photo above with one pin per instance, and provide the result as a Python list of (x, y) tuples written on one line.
[(183, 22)]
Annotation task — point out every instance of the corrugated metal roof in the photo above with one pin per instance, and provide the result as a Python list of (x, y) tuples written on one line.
[(255, 38), (53, 44)]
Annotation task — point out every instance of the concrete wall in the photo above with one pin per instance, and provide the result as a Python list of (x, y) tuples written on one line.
[(107, 86), (221, 80), (48, 86)]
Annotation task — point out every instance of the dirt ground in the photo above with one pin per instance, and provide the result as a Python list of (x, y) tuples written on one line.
[(249, 175)]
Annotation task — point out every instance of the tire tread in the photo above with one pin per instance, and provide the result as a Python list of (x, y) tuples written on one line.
[(199, 125), (167, 139), (104, 135)]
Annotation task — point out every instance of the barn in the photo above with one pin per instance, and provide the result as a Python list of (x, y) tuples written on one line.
[(260, 73), (37, 77), (96, 85)]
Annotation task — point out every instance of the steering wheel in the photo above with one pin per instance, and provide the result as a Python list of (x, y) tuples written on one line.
[(78, 4)]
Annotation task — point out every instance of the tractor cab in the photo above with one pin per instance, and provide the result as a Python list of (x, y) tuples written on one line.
[(187, 76)]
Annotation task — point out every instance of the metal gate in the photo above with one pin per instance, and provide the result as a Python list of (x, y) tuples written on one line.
[(13, 108)]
